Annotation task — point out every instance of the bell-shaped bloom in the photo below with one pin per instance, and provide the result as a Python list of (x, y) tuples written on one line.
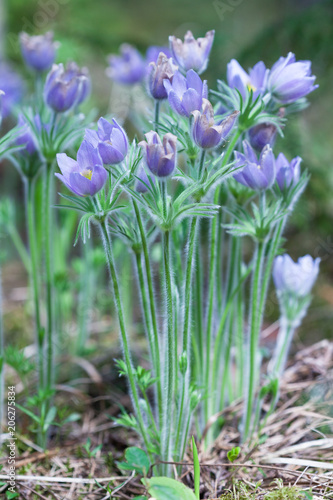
[(84, 176), (111, 141), (185, 94), (287, 173), (205, 132), (38, 52), (154, 51), (262, 134), (143, 180), (255, 79), (128, 68), (255, 174), (12, 86), (64, 87), (290, 80), (160, 156), (192, 53), (296, 278), (163, 69)]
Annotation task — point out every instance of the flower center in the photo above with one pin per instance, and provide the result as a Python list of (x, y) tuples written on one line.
[(87, 174), (251, 87)]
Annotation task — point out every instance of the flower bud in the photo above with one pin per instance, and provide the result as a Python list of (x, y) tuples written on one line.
[(38, 52), (163, 69), (63, 87), (192, 53), (160, 157), (256, 174), (287, 174), (110, 140), (262, 134), (295, 278), (207, 134)]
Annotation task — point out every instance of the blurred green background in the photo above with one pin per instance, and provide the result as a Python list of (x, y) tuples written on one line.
[(248, 30)]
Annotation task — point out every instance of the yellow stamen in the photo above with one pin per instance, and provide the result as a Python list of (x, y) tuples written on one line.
[(251, 87), (87, 174)]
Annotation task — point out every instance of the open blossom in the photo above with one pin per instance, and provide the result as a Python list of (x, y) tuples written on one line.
[(129, 67), (290, 80), (85, 176), (12, 86), (295, 278), (38, 52), (64, 87), (111, 141), (287, 173), (160, 156), (255, 79), (255, 174), (163, 69), (192, 53), (206, 133), (185, 94)]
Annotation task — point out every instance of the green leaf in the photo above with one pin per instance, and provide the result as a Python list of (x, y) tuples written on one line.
[(137, 460), (165, 488), (233, 454), (11, 494)]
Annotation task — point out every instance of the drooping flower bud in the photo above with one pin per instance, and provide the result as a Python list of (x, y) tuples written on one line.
[(38, 52), (111, 141), (163, 69), (185, 94), (287, 173), (63, 87), (128, 68), (206, 133), (192, 53), (296, 278), (86, 176), (255, 174), (160, 157), (290, 80)]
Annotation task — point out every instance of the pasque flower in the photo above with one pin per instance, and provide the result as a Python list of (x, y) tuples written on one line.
[(192, 53), (256, 174), (154, 51), (26, 137), (160, 156), (12, 86), (111, 141), (129, 67), (143, 181), (73, 71), (163, 69), (290, 80), (296, 278), (38, 52), (185, 94), (255, 79), (287, 173), (206, 133), (262, 134), (64, 88), (85, 176)]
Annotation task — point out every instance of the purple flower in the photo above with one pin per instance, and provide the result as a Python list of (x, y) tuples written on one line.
[(86, 176), (110, 140), (1, 94), (185, 94), (128, 68), (296, 278), (73, 71), (27, 138), (12, 86), (192, 53), (64, 88), (160, 157), (143, 181), (205, 132), (160, 71), (255, 79), (262, 134), (287, 174), (154, 51), (256, 174), (290, 80), (38, 52)]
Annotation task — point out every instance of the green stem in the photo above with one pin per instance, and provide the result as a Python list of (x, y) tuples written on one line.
[(86, 297), (199, 315), (157, 115), (116, 292), (18, 243), (164, 195), (153, 314), (39, 333), (255, 318), (202, 163)]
